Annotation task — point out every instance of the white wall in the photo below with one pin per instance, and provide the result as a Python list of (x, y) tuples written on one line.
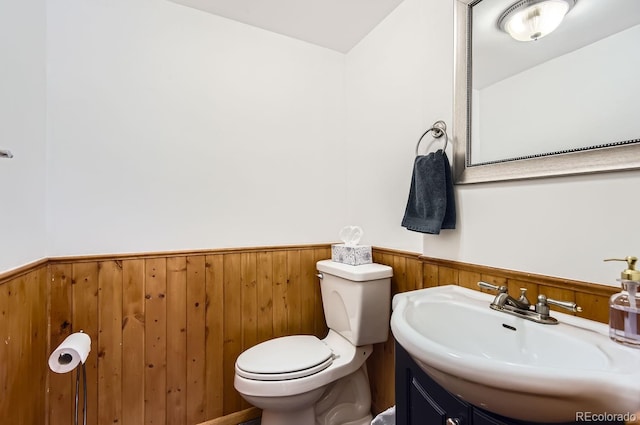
[(22, 118), (400, 81), (600, 80), (170, 128)]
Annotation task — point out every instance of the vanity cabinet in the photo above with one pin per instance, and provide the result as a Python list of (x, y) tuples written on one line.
[(422, 401)]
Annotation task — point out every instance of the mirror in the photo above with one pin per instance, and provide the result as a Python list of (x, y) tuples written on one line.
[(563, 104)]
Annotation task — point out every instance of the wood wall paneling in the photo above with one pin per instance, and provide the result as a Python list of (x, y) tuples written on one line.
[(109, 352), (166, 328), (61, 385), (214, 379), (24, 314), (177, 362), (155, 342), (5, 351), (232, 342), (133, 341), (196, 340)]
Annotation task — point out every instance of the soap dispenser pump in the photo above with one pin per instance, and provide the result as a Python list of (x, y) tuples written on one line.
[(624, 307)]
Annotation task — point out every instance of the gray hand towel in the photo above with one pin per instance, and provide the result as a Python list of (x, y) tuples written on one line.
[(431, 205)]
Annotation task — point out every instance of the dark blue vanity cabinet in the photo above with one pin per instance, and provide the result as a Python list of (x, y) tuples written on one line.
[(421, 401)]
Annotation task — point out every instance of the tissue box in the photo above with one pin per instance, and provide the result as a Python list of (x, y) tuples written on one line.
[(353, 255)]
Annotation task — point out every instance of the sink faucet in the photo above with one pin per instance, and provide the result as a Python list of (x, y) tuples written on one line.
[(522, 307)]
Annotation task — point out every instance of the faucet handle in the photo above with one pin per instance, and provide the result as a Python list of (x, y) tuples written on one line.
[(523, 297), (569, 305), (499, 289), (543, 305)]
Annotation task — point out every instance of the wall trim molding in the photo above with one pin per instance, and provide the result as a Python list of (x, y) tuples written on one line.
[(22, 270), (574, 285), (46, 261), (557, 282)]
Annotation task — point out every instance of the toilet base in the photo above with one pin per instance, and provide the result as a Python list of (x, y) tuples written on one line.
[(347, 401), (300, 417), (294, 410), (362, 421)]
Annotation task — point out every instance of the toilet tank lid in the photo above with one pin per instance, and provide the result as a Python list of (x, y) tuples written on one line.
[(359, 273)]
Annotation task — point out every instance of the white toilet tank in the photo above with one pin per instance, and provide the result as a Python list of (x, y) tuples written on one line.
[(357, 300)]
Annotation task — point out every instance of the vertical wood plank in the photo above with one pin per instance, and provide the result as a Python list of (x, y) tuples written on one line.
[(430, 275), (447, 276), (387, 259), (60, 385), (280, 300), (382, 357), (36, 344), (264, 289), (494, 280), (468, 279), (376, 256), (17, 343), (319, 321), (249, 304), (294, 310), (399, 265), (196, 324), (414, 274), (248, 273), (5, 353), (155, 377), (556, 294), (133, 341), (176, 340), (594, 307), (308, 282), (215, 335), (109, 342), (232, 329), (44, 283), (85, 318)]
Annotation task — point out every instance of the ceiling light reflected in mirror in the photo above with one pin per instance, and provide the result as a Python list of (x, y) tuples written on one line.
[(530, 20)]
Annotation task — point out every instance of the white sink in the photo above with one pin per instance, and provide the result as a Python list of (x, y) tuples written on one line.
[(512, 366)]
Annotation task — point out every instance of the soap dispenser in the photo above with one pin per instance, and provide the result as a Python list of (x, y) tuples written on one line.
[(624, 307)]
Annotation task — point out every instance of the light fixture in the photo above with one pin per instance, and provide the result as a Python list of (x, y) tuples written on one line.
[(529, 20), (4, 153)]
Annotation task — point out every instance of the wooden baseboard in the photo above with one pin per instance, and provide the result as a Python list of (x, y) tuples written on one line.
[(236, 418)]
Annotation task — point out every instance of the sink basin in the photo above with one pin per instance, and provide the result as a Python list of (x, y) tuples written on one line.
[(514, 367)]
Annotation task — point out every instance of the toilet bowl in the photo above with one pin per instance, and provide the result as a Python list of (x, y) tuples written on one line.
[(288, 400), (303, 380)]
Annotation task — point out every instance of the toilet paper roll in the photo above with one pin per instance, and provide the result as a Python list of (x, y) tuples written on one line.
[(73, 351)]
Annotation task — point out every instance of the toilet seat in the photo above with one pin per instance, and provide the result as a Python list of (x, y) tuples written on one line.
[(284, 358)]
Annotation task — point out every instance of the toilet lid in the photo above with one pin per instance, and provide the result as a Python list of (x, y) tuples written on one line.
[(283, 358)]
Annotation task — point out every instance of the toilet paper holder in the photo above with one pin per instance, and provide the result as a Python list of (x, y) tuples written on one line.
[(72, 354)]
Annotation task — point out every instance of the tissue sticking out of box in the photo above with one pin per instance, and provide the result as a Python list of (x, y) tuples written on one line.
[(349, 252), (351, 235)]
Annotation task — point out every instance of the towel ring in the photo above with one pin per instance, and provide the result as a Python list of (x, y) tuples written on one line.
[(438, 129)]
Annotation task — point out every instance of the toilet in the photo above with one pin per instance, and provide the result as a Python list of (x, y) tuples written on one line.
[(303, 380)]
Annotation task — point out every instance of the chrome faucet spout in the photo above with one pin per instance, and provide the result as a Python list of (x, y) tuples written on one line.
[(523, 308), (503, 298)]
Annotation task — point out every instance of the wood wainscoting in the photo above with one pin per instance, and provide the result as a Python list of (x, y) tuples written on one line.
[(166, 328), (24, 347)]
